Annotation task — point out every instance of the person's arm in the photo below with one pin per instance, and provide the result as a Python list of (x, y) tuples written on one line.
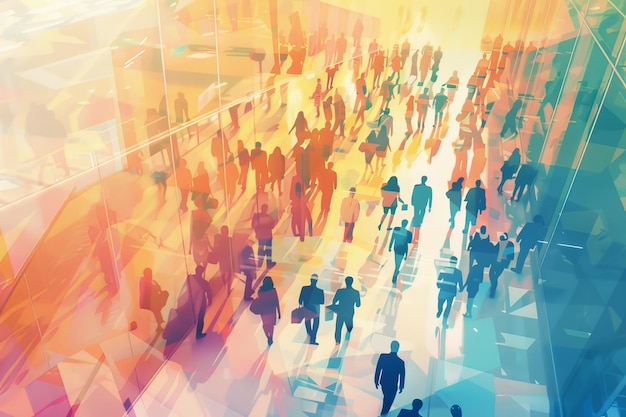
[(277, 303), (379, 370), (292, 128), (430, 199), (186, 110), (402, 372), (301, 298), (358, 299)]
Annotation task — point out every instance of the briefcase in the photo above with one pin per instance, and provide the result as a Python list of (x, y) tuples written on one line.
[(302, 313)]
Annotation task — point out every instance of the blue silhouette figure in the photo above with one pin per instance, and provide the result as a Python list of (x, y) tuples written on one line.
[(389, 376)]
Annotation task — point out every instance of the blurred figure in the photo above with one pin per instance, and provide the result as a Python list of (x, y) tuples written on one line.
[(258, 163), (350, 210), (181, 109), (505, 252), (244, 164), (184, 182), (423, 103), (389, 375), (400, 239), (276, 168), (340, 115), (327, 185), (152, 297), (509, 168), (523, 181), (327, 107), (302, 128), (201, 185), (390, 192), (476, 202), (453, 85), (456, 411), (198, 240), (262, 224), (219, 148), (269, 307), (421, 198), (474, 278), (449, 279), (455, 194), (413, 74), (247, 266), (300, 212), (311, 297), (527, 238), (408, 115), (345, 300), (361, 93), (205, 298), (439, 103), (382, 140), (223, 247), (511, 119), (317, 97)]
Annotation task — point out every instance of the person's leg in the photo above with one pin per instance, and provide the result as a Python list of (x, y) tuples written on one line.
[(515, 190), (268, 253), (250, 275), (494, 273), (468, 307), (314, 328), (502, 181), (389, 394), (338, 326), (398, 260), (522, 189), (521, 257), (446, 312), (307, 326), (345, 231), (440, 301), (260, 253), (468, 216), (349, 325), (200, 325)]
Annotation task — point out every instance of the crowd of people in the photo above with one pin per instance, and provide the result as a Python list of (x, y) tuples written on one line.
[(311, 158)]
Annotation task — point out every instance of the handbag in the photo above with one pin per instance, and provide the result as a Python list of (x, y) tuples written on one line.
[(368, 103), (256, 307), (302, 313), (211, 203)]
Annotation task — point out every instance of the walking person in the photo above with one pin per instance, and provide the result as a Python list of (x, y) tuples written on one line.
[(439, 103), (262, 224), (268, 308), (476, 202), (455, 194), (244, 164), (340, 115), (247, 266), (474, 278), (350, 209), (311, 297), (527, 239), (390, 192), (317, 97), (509, 168), (423, 103), (389, 375), (422, 196), (505, 252), (184, 182), (345, 300), (276, 169), (204, 289), (450, 278), (400, 239), (408, 115), (511, 119)]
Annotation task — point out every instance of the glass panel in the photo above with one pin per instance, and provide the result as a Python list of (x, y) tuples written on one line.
[(607, 23)]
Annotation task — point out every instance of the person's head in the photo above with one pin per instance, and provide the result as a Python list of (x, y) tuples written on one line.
[(405, 223), (538, 219), (504, 236), (147, 272), (300, 115), (240, 145), (352, 191), (330, 165), (442, 90), (411, 99), (484, 56), (483, 229), (268, 283), (297, 188), (517, 104), (257, 145), (453, 260), (424, 178), (224, 230), (182, 162), (264, 208), (180, 95), (417, 403), (395, 346), (455, 73), (390, 78), (199, 270), (218, 133), (319, 80), (456, 411), (349, 281), (327, 125), (516, 151), (393, 181), (362, 75), (314, 278), (478, 183)]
